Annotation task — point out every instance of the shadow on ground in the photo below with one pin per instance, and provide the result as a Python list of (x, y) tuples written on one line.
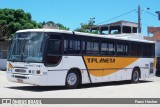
[(58, 88), (158, 75)]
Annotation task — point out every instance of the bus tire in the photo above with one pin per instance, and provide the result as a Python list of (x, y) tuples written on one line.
[(72, 79), (135, 76)]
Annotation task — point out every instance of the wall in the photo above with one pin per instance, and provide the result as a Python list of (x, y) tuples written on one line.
[(156, 33), (4, 46)]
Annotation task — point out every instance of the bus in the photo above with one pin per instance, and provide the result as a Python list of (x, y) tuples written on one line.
[(157, 54), (48, 57)]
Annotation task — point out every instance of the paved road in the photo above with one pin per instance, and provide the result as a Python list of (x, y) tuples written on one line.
[(149, 88)]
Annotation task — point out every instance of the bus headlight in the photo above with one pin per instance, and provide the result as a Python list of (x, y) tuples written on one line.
[(38, 72), (33, 71)]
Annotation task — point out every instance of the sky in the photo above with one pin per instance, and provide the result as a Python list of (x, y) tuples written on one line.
[(71, 13)]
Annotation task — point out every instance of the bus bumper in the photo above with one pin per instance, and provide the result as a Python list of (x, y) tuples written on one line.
[(27, 79)]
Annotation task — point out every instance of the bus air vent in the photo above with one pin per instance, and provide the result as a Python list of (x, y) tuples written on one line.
[(20, 70)]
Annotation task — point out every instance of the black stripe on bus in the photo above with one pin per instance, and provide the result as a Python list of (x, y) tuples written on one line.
[(99, 69)]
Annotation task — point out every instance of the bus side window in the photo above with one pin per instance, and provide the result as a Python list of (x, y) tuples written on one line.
[(111, 46), (72, 47), (122, 49), (65, 47), (151, 50), (54, 47), (104, 48), (136, 49), (54, 51), (90, 47), (145, 50), (84, 47), (148, 50)]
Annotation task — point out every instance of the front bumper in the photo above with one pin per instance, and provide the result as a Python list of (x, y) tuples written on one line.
[(27, 79)]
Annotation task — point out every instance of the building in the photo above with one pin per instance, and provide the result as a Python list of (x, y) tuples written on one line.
[(117, 27), (155, 31), (4, 47)]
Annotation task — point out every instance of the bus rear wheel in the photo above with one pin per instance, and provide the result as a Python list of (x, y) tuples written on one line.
[(135, 76), (72, 79)]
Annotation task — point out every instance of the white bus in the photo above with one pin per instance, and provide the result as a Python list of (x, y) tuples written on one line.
[(48, 57)]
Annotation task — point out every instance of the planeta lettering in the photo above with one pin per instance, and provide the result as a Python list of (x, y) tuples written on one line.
[(101, 60)]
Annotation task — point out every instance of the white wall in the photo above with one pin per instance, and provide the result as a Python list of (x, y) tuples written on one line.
[(3, 64), (157, 50)]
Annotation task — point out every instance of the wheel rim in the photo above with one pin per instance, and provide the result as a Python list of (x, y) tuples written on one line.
[(135, 76), (71, 79)]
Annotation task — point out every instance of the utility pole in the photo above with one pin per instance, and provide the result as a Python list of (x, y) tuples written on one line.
[(139, 19)]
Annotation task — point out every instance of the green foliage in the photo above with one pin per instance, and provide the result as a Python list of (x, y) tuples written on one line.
[(28, 26), (86, 27), (3, 22), (62, 27), (14, 20)]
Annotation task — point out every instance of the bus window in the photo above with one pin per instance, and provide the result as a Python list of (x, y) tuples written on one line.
[(145, 50), (90, 47), (65, 46), (54, 51), (95, 48), (54, 47), (139, 49), (111, 50), (136, 49), (151, 52), (87, 47), (104, 48), (148, 50), (72, 47), (108, 48), (122, 49)]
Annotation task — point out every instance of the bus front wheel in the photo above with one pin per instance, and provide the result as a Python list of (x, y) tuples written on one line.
[(72, 79), (135, 76)]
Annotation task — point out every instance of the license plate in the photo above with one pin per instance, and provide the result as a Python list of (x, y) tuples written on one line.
[(20, 80)]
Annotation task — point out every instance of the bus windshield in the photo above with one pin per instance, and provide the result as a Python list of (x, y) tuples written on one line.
[(27, 47)]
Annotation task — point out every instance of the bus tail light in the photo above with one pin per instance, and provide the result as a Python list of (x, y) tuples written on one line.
[(151, 68)]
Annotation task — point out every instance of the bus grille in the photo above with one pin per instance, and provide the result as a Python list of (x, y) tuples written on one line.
[(20, 70), (20, 77)]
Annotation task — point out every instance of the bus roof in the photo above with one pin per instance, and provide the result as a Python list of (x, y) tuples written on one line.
[(45, 30), (127, 36)]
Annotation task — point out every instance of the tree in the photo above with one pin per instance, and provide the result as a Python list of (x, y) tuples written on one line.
[(14, 20), (28, 26), (62, 27), (86, 27)]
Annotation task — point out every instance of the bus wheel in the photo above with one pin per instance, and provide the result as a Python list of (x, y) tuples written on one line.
[(72, 79), (135, 76)]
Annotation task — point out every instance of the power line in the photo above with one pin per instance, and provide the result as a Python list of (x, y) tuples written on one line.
[(118, 16), (150, 13)]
